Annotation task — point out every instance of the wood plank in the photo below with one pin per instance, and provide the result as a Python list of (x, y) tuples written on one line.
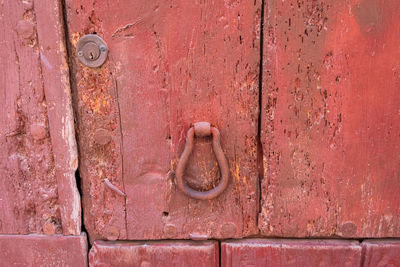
[(30, 195), (41, 250), (99, 137), (57, 90), (290, 253), (173, 63), (381, 252), (155, 253), (331, 123)]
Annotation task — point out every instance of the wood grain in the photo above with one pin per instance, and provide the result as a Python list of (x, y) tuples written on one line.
[(38, 192), (41, 250), (331, 123), (154, 253), (290, 253), (57, 90), (170, 64)]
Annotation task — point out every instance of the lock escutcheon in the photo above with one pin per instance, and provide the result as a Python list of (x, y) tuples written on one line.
[(91, 50)]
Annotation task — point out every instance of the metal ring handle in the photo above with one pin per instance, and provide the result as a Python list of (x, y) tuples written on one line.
[(203, 129)]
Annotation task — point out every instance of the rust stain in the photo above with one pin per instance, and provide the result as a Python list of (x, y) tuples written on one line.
[(100, 146), (74, 38), (95, 95)]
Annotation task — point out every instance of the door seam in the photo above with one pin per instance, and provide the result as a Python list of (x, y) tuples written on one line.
[(260, 150)]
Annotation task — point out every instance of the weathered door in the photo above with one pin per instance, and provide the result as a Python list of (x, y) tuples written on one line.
[(331, 119), (170, 64), (209, 120)]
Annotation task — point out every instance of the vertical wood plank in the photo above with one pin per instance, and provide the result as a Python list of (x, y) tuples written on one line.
[(55, 73), (95, 100), (35, 162), (331, 119), (171, 64)]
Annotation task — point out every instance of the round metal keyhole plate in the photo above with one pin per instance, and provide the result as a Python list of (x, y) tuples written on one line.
[(91, 50)]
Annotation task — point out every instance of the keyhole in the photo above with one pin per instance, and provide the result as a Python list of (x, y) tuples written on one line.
[(91, 51)]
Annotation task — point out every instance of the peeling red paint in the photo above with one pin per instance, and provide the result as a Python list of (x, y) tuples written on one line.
[(202, 66), (29, 188), (330, 119)]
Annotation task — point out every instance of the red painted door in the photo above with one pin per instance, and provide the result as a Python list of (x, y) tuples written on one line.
[(170, 64), (330, 119), (209, 120)]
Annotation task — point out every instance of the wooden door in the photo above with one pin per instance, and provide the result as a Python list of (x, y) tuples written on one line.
[(302, 96), (330, 119), (170, 64)]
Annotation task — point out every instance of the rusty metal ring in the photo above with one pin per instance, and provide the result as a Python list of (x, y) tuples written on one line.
[(203, 129)]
